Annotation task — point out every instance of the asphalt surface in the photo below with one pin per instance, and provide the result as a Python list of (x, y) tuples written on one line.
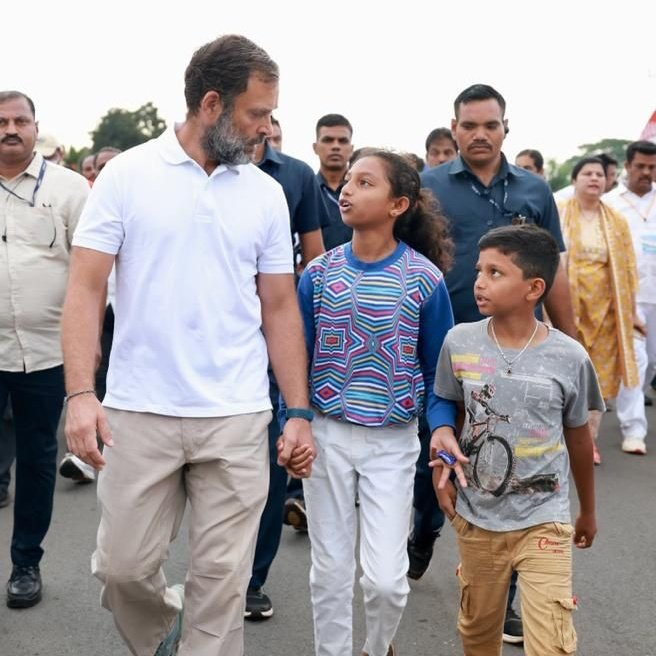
[(615, 580)]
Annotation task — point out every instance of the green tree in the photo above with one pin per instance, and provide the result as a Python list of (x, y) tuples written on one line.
[(559, 174), (616, 148), (74, 156), (123, 129)]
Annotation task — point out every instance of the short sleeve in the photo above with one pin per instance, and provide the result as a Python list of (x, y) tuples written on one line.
[(276, 254), (101, 224), (309, 213), (550, 219), (584, 395), (446, 384)]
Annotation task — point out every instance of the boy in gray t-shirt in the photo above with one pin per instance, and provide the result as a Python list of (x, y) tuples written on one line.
[(524, 391)]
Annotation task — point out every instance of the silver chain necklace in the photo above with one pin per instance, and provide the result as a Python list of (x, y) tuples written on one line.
[(510, 363)]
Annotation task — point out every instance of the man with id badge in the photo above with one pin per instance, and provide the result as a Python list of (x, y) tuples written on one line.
[(480, 190), (40, 204)]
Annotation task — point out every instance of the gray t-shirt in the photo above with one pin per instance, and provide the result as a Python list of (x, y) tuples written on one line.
[(518, 475)]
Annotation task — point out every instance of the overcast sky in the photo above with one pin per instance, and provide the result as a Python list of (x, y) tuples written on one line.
[(572, 72)]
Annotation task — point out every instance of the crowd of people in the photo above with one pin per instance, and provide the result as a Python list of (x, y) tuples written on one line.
[(366, 351)]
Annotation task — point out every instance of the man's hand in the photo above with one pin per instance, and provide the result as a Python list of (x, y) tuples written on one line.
[(585, 530), (296, 450), (85, 418), (444, 439)]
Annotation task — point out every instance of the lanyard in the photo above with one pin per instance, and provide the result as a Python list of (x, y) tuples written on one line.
[(329, 194), (493, 201), (515, 217), (39, 180)]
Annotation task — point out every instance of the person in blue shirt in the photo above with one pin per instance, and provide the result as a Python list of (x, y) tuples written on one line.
[(306, 213), (307, 210), (440, 147), (480, 190), (333, 147)]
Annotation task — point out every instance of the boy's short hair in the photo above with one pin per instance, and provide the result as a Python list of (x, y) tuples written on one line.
[(531, 248)]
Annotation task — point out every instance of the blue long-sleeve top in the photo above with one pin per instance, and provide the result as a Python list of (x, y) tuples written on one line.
[(373, 332)]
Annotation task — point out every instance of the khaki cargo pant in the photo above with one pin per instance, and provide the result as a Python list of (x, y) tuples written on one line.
[(542, 556), (157, 464)]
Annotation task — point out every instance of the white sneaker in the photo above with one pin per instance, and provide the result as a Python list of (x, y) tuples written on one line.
[(635, 446), (77, 470)]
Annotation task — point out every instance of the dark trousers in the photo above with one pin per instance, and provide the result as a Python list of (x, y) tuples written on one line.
[(268, 535), (36, 402), (294, 489), (7, 449), (428, 517)]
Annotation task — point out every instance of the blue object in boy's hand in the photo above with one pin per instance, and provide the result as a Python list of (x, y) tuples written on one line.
[(446, 458)]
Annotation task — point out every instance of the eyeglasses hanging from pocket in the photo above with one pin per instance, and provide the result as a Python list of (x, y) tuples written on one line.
[(36, 226)]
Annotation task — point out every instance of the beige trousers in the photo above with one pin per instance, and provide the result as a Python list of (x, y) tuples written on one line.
[(542, 556), (157, 464)]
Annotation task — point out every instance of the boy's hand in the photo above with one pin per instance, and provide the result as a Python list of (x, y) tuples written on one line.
[(446, 496), (585, 530), (444, 439)]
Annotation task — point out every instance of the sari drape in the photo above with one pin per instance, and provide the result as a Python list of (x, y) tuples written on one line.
[(602, 294)]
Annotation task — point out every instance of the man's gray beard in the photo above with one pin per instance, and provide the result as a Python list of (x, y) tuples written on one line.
[(223, 144)]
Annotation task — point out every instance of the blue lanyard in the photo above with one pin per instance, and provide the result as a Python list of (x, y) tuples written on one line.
[(329, 194), (515, 217), (39, 180), (493, 201)]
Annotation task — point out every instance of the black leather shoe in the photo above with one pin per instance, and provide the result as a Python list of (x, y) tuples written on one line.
[(419, 557), (24, 587)]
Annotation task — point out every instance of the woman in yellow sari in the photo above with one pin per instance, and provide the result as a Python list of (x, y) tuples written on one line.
[(601, 268)]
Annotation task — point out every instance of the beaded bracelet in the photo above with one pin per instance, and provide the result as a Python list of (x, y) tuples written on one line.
[(70, 396)]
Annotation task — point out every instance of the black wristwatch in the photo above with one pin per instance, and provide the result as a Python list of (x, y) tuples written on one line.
[(299, 413)]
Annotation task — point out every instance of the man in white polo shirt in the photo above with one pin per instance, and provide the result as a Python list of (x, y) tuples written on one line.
[(636, 200), (204, 287)]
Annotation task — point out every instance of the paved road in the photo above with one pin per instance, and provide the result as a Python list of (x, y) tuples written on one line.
[(615, 580)]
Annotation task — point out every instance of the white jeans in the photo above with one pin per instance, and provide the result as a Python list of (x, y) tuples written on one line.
[(631, 402), (378, 463)]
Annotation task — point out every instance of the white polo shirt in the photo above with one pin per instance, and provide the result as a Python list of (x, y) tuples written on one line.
[(187, 340)]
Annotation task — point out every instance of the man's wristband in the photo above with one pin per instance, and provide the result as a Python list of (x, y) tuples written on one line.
[(299, 413), (68, 397)]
